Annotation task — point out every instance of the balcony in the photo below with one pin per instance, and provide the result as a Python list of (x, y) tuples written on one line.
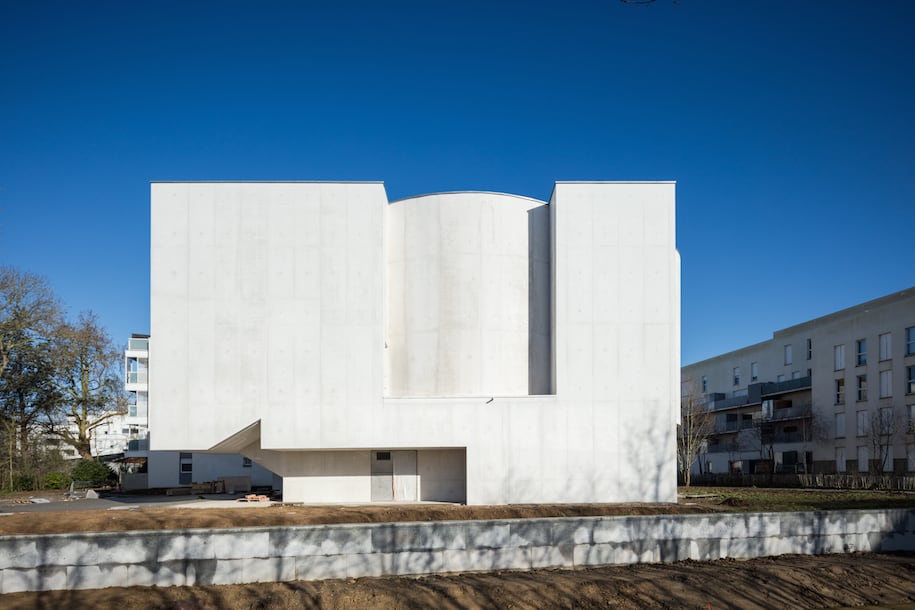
[(730, 403), (134, 377), (135, 344), (783, 387), (795, 412), (732, 426)]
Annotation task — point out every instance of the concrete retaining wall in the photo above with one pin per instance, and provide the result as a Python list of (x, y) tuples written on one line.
[(243, 555)]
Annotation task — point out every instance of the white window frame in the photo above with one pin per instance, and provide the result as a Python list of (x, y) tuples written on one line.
[(861, 423), (863, 459), (886, 346), (840, 425), (840, 391), (861, 388), (838, 356), (840, 459), (886, 384), (861, 352), (754, 371), (789, 354)]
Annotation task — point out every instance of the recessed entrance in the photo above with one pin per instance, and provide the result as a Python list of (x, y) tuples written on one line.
[(394, 477)]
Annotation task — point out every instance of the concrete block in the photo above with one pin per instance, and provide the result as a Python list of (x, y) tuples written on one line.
[(96, 577), (322, 540), (19, 552), (609, 531), (534, 532), (45, 578), (268, 569), (185, 545), (368, 565), (898, 542), (487, 534), (320, 567), (429, 536), (142, 575), (559, 556), (201, 572), (571, 531), (481, 560), (127, 548), (225, 572), (608, 554), (79, 550), (416, 562), (172, 573), (237, 544)]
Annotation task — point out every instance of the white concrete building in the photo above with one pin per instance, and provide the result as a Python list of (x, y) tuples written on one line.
[(166, 469), (832, 395), (466, 347)]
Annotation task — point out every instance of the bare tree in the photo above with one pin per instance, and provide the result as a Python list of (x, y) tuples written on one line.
[(88, 383), (884, 427), (696, 425)]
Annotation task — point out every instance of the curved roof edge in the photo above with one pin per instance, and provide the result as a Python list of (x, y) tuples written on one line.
[(470, 193)]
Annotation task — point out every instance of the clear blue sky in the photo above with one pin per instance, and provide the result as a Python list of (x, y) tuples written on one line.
[(789, 127)]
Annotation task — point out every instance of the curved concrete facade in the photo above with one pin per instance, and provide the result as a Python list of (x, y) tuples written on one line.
[(468, 285), (370, 351)]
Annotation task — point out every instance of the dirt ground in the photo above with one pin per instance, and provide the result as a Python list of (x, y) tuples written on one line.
[(791, 581), (780, 582), (150, 518)]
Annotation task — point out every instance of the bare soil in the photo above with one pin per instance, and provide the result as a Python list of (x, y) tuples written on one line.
[(780, 582), (790, 581), (148, 518)]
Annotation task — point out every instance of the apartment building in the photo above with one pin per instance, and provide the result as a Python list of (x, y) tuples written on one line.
[(166, 469), (470, 347), (832, 395)]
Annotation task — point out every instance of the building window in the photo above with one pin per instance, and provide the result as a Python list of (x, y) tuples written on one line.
[(863, 459), (736, 375), (789, 356), (840, 391), (910, 380), (910, 419), (840, 459), (704, 384), (862, 387), (809, 349), (840, 425), (838, 353), (910, 458), (780, 378), (861, 423), (861, 352), (910, 341), (132, 410), (886, 384), (754, 371), (795, 374), (886, 346), (246, 462)]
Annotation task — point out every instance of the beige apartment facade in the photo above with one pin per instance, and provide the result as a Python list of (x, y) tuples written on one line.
[(832, 395)]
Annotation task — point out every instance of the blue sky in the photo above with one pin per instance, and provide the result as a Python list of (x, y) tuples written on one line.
[(789, 127)]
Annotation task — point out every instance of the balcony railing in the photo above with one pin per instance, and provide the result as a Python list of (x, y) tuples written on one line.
[(730, 403), (135, 344), (795, 412), (137, 377), (781, 387)]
